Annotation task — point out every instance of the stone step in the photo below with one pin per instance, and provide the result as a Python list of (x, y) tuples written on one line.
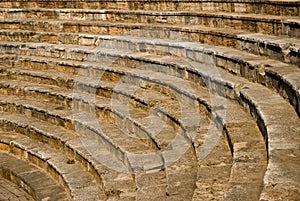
[(280, 125), (89, 151), (109, 19), (291, 27), (177, 172), (233, 109), (108, 131), (30, 178), (276, 47), (274, 7), (256, 68), (80, 184), (9, 190), (202, 95), (136, 122), (145, 96), (162, 137), (202, 34), (245, 87), (214, 166)]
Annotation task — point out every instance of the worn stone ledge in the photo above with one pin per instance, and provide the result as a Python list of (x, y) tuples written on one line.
[(278, 48), (47, 158), (30, 178), (72, 146), (247, 22), (262, 7), (247, 65)]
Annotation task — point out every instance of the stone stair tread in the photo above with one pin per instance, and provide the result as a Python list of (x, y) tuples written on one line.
[(59, 161), (230, 52), (52, 109), (279, 41), (170, 79), (272, 117), (260, 100), (236, 56), (29, 86), (42, 126), (274, 111), (193, 27), (235, 6), (293, 80), (236, 33), (123, 88), (34, 179), (99, 157), (218, 161), (12, 191), (99, 101), (115, 134), (231, 33), (201, 13)]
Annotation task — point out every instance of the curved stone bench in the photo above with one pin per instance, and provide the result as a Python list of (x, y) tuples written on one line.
[(247, 65), (10, 190), (75, 179), (275, 47), (268, 24), (30, 178), (75, 149), (249, 150), (238, 165), (274, 7)]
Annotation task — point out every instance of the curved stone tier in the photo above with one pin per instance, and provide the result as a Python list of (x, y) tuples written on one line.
[(150, 100)]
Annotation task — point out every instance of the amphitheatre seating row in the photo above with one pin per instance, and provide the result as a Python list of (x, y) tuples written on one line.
[(109, 116), (44, 74), (9, 190), (271, 7), (36, 183)]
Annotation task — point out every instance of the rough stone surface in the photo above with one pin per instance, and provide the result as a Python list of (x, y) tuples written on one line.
[(149, 100)]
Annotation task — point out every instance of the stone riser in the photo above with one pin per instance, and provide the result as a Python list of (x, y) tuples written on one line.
[(108, 90), (41, 162), (254, 24), (190, 34), (71, 145), (27, 149), (30, 178), (229, 196), (284, 52), (175, 89), (286, 8), (257, 72), (106, 114), (79, 124), (104, 91)]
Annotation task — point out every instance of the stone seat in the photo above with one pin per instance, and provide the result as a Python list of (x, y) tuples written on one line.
[(266, 71), (240, 150), (244, 98), (276, 47), (67, 172), (274, 7), (113, 181), (202, 93), (30, 178), (267, 24), (10, 190)]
